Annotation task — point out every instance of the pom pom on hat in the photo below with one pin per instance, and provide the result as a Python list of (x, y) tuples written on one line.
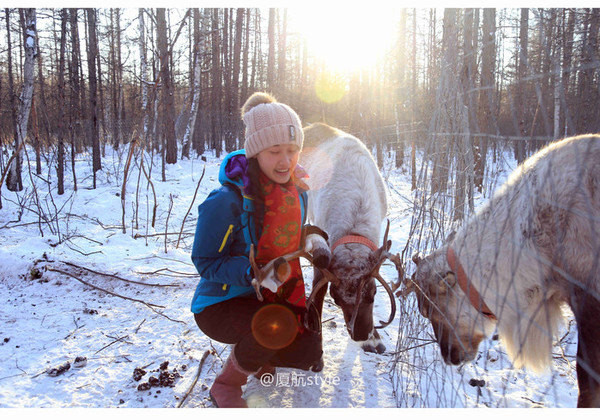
[(269, 123), (257, 99)]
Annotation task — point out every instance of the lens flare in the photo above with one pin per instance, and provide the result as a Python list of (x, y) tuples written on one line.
[(331, 87), (274, 326)]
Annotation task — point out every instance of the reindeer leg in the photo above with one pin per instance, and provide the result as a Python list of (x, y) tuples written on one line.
[(587, 313), (318, 304)]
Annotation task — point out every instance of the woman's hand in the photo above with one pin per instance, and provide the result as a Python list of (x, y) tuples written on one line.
[(316, 245)]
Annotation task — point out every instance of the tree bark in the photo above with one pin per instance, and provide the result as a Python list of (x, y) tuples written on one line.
[(60, 170), (401, 98), (588, 94), (11, 85), (271, 56), (281, 65), (246, 49), (216, 92), (413, 90), (114, 79), (144, 77), (226, 116), (196, 86), (167, 104), (556, 75), (13, 178), (487, 96), (567, 49), (235, 82), (521, 86), (93, 111), (42, 110)]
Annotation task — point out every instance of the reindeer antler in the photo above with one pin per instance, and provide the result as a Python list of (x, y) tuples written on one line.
[(383, 255), (277, 269)]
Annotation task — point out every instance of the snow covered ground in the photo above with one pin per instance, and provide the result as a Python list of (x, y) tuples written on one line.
[(66, 294)]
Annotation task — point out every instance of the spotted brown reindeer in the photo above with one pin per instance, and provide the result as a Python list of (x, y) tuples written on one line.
[(347, 199), (532, 249)]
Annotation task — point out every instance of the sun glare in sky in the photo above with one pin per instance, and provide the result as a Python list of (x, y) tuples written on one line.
[(349, 38)]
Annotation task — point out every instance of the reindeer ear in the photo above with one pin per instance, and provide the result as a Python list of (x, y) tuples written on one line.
[(450, 237), (417, 258), (450, 278), (447, 282)]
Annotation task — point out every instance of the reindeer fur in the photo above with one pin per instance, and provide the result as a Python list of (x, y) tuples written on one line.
[(534, 247)]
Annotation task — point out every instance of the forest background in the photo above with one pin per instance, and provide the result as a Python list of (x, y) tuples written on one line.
[(456, 83)]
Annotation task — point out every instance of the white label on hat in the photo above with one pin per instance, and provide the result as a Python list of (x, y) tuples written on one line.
[(292, 132)]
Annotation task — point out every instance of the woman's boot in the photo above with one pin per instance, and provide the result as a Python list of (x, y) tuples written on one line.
[(226, 391)]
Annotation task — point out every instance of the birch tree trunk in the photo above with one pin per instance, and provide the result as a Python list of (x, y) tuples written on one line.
[(413, 95), (271, 57), (487, 96), (216, 92), (556, 75), (144, 75), (522, 85), (566, 69), (281, 54), (114, 78), (196, 87), (13, 178), (401, 98), (246, 49), (11, 83)]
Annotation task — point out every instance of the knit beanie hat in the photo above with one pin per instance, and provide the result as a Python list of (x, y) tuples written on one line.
[(269, 123)]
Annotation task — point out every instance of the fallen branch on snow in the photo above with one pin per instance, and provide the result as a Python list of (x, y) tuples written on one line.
[(56, 270), (152, 306), (114, 276), (175, 273), (204, 356)]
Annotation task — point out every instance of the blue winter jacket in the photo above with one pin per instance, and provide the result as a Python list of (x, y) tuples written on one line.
[(224, 232)]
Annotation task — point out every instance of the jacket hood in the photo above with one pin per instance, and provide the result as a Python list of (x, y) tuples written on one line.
[(223, 177)]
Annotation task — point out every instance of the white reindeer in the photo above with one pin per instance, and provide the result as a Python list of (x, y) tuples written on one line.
[(534, 247), (347, 199)]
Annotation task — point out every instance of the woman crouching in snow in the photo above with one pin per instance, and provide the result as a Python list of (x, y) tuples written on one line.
[(262, 201)]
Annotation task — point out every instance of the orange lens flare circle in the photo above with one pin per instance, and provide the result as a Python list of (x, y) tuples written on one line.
[(274, 326)]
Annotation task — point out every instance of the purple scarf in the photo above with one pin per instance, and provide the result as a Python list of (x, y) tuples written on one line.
[(237, 167)]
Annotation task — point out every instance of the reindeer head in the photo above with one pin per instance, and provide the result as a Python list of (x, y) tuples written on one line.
[(354, 269), (353, 265), (457, 326)]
